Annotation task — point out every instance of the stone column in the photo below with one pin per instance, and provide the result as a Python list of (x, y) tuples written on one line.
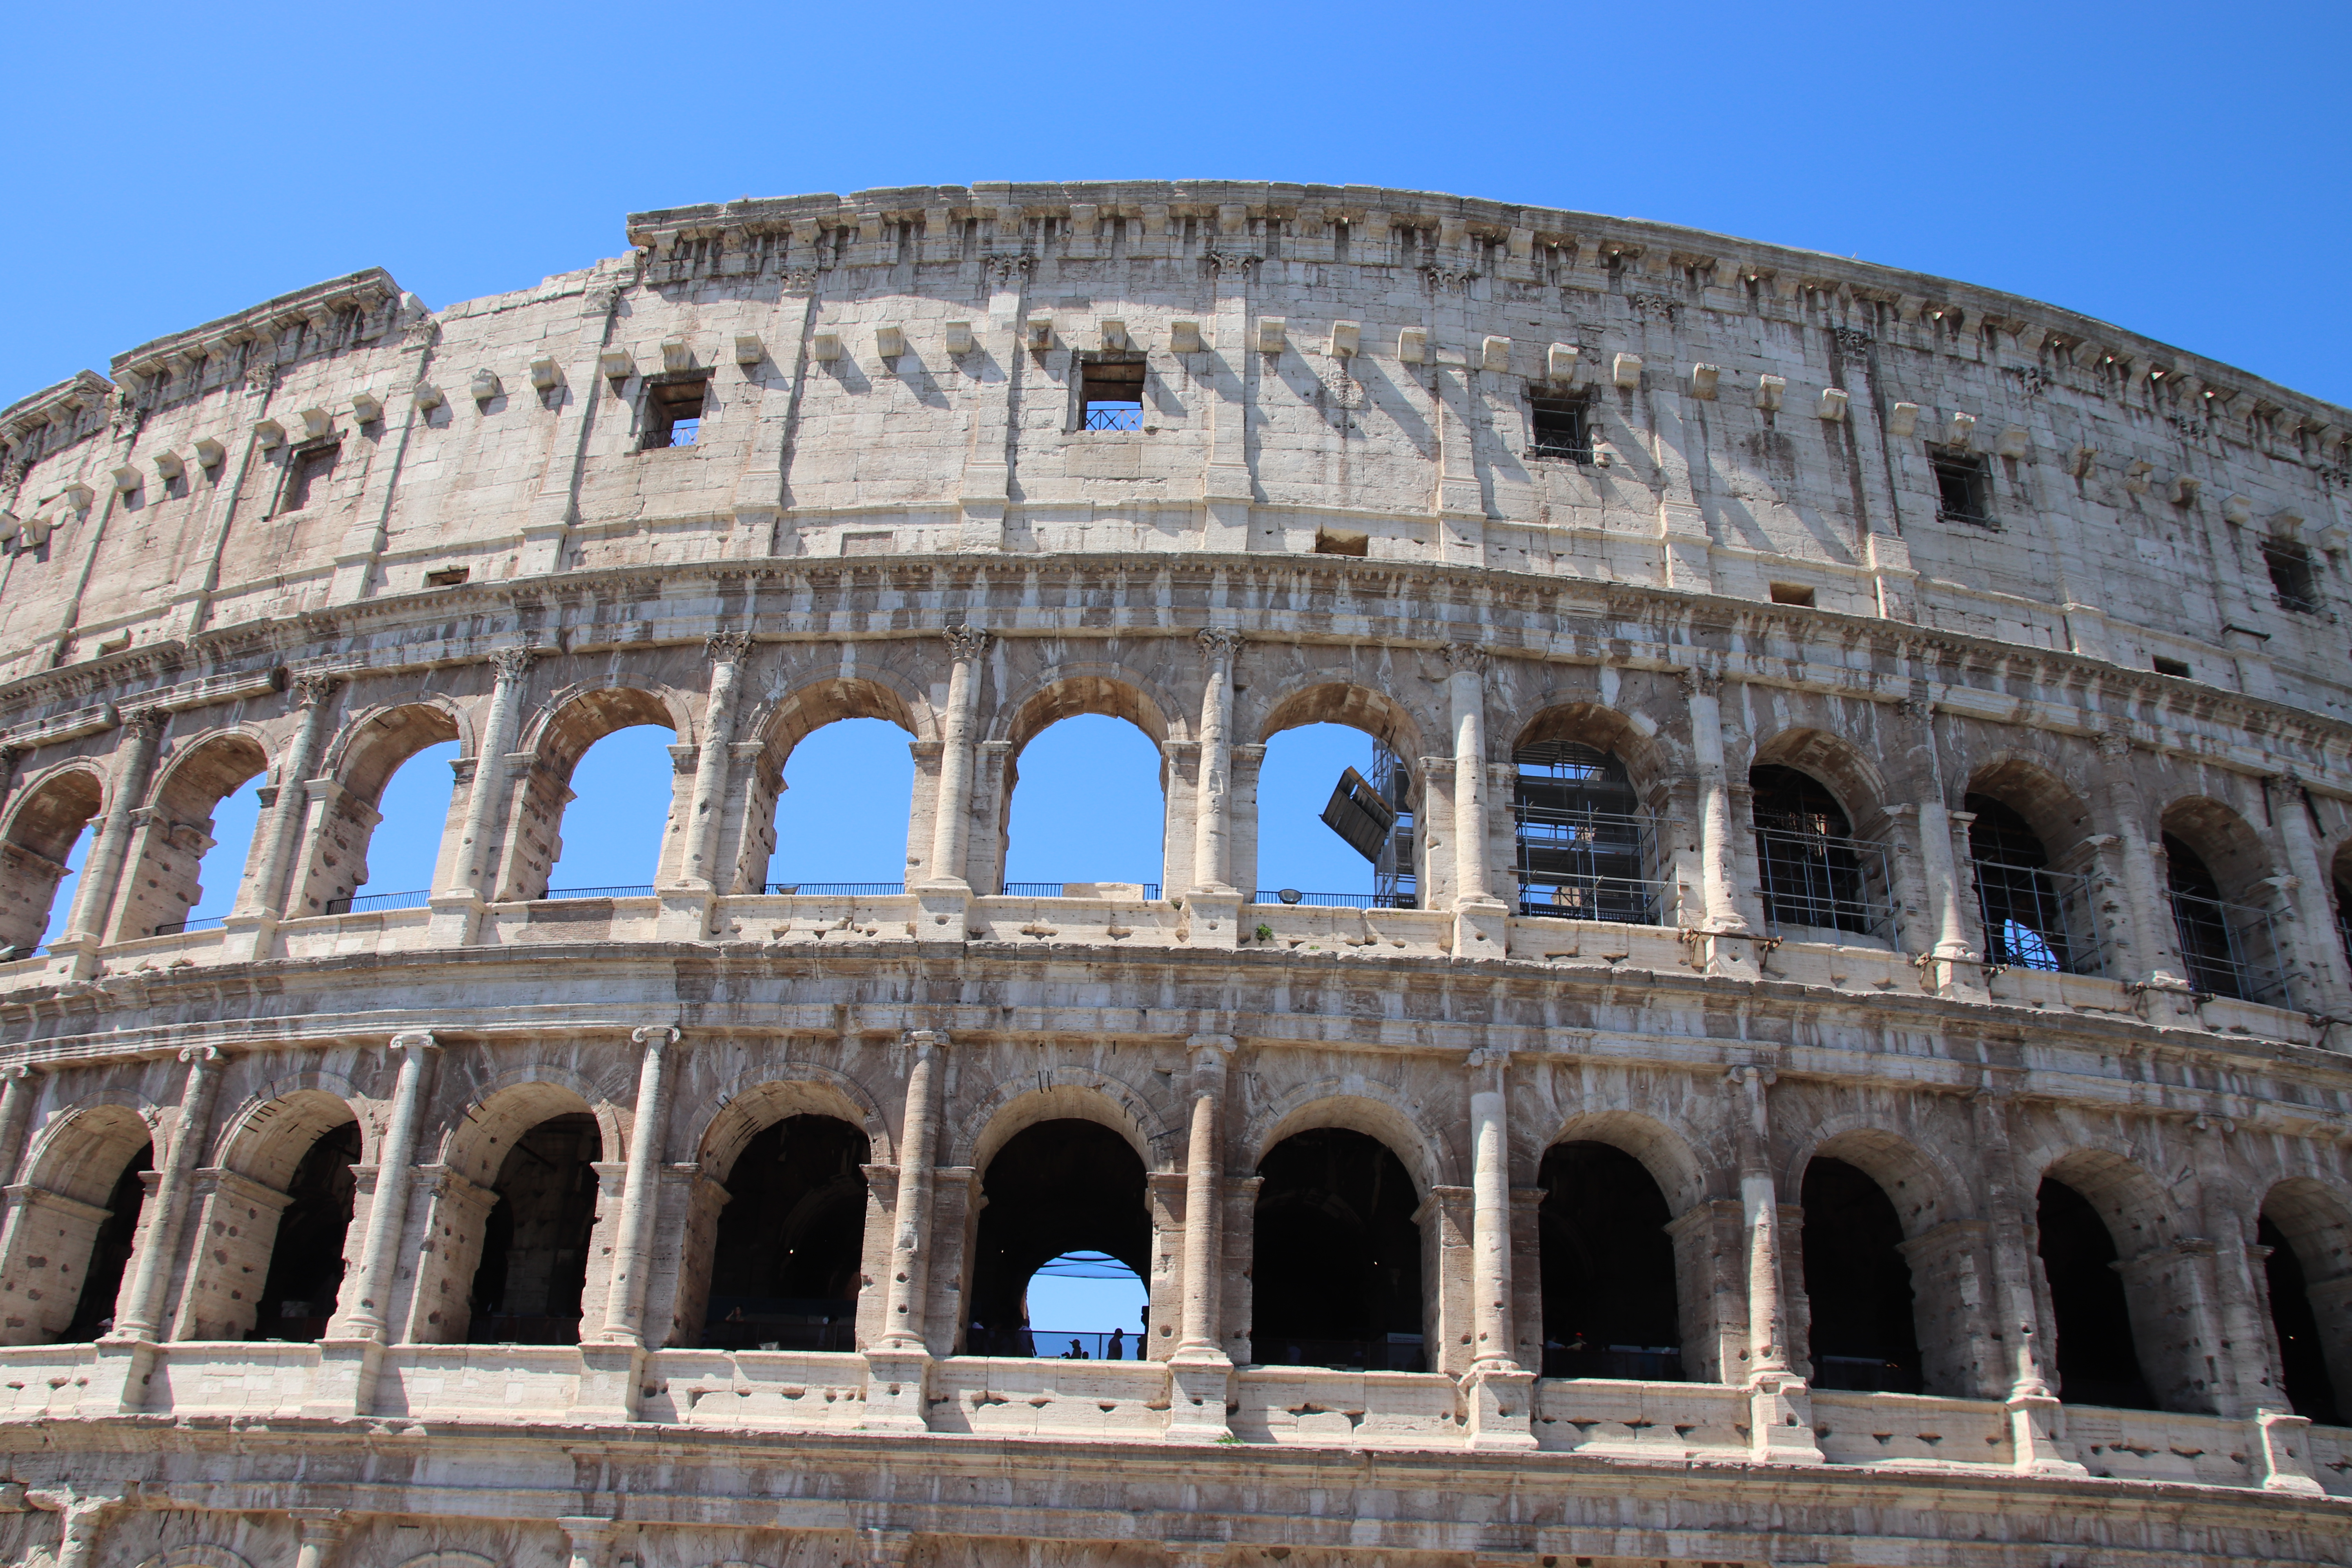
[(2314, 909), (2147, 911), (2034, 1410), (1780, 1413), (84, 1517), (1480, 925), (1201, 1371), (1213, 801), (624, 1304), (1726, 935), (365, 1299), (727, 651), (951, 822), (590, 1539), (101, 873), (153, 1275), (16, 1094), (1498, 1390), (322, 1536), (471, 869), (897, 1366), (265, 892)]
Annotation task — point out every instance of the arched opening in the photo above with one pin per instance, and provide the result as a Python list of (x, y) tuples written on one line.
[(1086, 800), (1816, 874), (1335, 821), (110, 1251), (2098, 1360), (1336, 1256), (1586, 849), (612, 848), (2035, 916), (192, 849), (842, 816), (527, 1288), (383, 833), (2340, 885), (2309, 1271), (306, 1259), (2215, 871), (1609, 1306), (1863, 1335), (1102, 1305), (785, 1270), (1054, 1189), (40, 859)]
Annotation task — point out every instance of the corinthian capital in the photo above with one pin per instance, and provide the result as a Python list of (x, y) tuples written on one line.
[(311, 687), (967, 641), (1464, 656), (1218, 642), (512, 663), (727, 648)]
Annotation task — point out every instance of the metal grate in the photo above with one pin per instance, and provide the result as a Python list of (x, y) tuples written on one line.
[(199, 922), (839, 890), (1054, 890), (2230, 949), (415, 898), (553, 893), (2035, 918), (1373, 900), (1113, 416), (1584, 852), (1814, 873)]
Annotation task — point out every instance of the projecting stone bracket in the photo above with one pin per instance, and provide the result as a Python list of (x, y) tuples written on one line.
[(610, 1378), (1481, 928), (896, 1383), (1199, 1392), (1498, 1404), (2284, 1442), (1780, 1421)]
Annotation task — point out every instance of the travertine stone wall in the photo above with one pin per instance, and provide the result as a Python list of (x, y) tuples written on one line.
[(298, 546)]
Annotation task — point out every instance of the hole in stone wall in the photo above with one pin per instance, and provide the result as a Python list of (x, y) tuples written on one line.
[(48, 835), (1336, 1267), (306, 1260), (674, 410), (1858, 1282), (1559, 428), (2097, 1362), (2164, 665), (785, 1270), (1342, 541), (534, 1266), (1609, 1307), (1061, 1187), (1792, 594), (1963, 489)]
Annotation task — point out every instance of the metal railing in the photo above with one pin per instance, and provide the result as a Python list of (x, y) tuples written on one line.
[(1627, 900), (1639, 1363), (1054, 890), (1864, 1375), (362, 903), (1333, 901), (2035, 918), (2232, 949), (1054, 1344), (778, 1323), (197, 922), (1390, 1352), (838, 889), (1113, 416), (1584, 865), (644, 892), (1828, 883)]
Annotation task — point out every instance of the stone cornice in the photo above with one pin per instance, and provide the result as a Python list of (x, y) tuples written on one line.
[(362, 290)]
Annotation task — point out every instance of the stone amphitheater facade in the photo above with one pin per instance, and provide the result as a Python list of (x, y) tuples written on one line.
[(1970, 673)]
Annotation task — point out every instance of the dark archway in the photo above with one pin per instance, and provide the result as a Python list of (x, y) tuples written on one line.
[(109, 1254), (2212, 947), (2303, 1354), (534, 1266), (2097, 1361), (1609, 1306), (1858, 1282), (1585, 849), (789, 1258), (1815, 872), (2035, 917), (1336, 1266), (306, 1260), (1061, 1187)]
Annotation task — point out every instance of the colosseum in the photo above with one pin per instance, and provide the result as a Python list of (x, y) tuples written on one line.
[(1842, 1065)]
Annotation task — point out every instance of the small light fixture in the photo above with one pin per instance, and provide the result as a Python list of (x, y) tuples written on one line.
[(1289, 895)]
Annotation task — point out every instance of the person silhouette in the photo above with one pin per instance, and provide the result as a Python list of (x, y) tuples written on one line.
[(1118, 1350)]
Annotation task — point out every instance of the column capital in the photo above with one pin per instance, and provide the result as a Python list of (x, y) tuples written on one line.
[(926, 1039), (1496, 1057), (1699, 681), (1464, 657), (1218, 642), (311, 687), (200, 1056), (149, 721), (655, 1034), (512, 664), (967, 641), (413, 1040), (727, 648), (15, 1072)]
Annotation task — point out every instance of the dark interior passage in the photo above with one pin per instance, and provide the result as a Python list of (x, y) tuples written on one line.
[(2301, 1357), (1067, 1185), (101, 1282), (2210, 948), (1609, 1300), (2097, 1362), (791, 1240), (1335, 1260), (305, 1261), (535, 1263), (1859, 1283), (1804, 848)]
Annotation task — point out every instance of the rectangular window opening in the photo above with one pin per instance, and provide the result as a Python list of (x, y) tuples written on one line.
[(1963, 489), (446, 577), (1791, 593), (1111, 394), (1341, 542), (1557, 427), (2164, 665), (674, 411), (2296, 585), (303, 474)]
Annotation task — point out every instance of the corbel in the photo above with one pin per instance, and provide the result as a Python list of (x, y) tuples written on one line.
[(1273, 331), (544, 375), (316, 421), (959, 339), (749, 349), (1347, 339), (1184, 337), (1832, 404), (1413, 345), (676, 354), (889, 343), (126, 477), (1113, 334), (272, 434), (825, 346), (1703, 378), (1769, 390), (1037, 332), (366, 408), (1625, 370), (168, 465), (1960, 429), (486, 384), (428, 397), (209, 452), (2014, 442), (1495, 354), (616, 365)]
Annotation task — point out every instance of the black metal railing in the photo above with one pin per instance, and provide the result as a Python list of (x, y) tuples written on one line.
[(1638, 1364), (778, 1323), (1054, 890), (1392, 1352), (1054, 1344), (1333, 901), (363, 903), (644, 892), (1864, 1375), (2232, 949), (839, 890), (1830, 883), (1579, 864), (2035, 918), (194, 922)]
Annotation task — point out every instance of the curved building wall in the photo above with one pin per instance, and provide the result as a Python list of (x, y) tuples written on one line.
[(1978, 982)]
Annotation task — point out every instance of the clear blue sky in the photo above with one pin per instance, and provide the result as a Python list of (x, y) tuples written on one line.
[(2179, 170)]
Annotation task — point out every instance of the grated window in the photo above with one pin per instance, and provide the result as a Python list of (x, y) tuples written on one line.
[(1112, 394), (2296, 586), (674, 412), (1557, 427), (1963, 490)]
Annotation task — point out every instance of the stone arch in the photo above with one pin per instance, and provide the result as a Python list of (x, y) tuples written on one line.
[(43, 821), (1358, 707), (2228, 845), (1065, 690), (1922, 1184), (2057, 811), (1646, 758), (505, 1107), (74, 1223), (1841, 766), (1358, 1105), (570, 721), (2313, 1219), (2141, 1225), (79, 1154), (264, 1138), (373, 742), (1669, 1157), (160, 884), (2132, 1202), (788, 1088), (449, 1559), (1071, 1091), (781, 721), (201, 1554), (577, 716)]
